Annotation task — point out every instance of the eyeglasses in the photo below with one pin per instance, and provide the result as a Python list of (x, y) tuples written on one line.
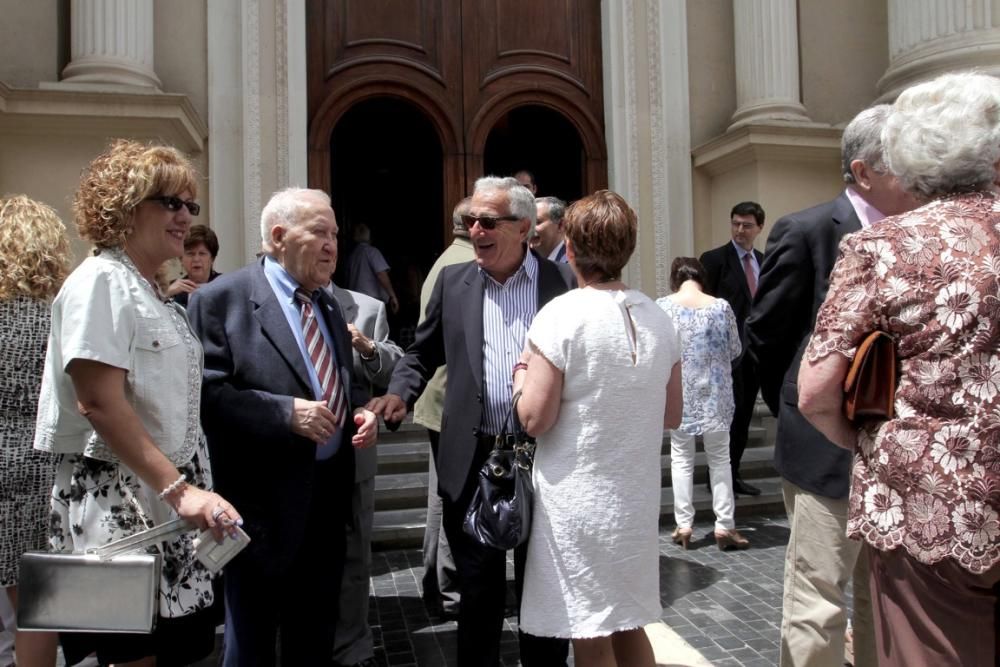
[(485, 221), (174, 204), (745, 226)]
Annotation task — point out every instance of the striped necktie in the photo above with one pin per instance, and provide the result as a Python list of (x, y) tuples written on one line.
[(322, 360)]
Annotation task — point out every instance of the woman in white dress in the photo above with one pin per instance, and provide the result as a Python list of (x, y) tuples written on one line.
[(600, 379)]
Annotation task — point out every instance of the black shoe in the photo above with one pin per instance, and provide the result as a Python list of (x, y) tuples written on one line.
[(741, 488)]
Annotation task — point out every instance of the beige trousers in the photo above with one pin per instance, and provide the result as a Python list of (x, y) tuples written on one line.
[(819, 563)]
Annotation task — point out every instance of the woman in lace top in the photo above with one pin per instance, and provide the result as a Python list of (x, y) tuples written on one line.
[(602, 380), (119, 403), (710, 341), (925, 491), (35, 256)]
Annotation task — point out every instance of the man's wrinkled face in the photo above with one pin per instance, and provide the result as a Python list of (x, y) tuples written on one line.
[(308, 249), (499, 251), (745, 229), (547, 233), (887, 194)]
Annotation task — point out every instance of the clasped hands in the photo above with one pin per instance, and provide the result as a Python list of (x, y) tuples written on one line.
[(314, 420)]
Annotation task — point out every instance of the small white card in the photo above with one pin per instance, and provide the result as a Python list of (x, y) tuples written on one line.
[(213, 555)]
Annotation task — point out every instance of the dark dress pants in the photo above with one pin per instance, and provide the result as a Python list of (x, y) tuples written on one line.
[(746, 384), (482, 582), (297, 601)]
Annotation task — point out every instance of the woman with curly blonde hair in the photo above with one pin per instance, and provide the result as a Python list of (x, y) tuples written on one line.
[(35, 257), (119, 404)]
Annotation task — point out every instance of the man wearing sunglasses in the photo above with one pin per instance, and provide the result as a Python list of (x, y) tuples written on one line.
[(476, 322)]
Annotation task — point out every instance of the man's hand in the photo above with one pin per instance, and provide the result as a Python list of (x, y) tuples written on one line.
[(367, 432), (393, 304), (391, 407), (313, 420), (181, 285), (365, 346)]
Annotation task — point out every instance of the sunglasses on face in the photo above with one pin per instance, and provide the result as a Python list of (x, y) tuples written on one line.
[(485, 221), (173, 204)]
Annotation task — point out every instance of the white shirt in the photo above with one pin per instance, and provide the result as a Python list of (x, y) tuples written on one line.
[(107, 312)]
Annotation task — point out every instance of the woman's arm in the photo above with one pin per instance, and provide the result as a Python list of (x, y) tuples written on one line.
[(541, 386), (673, 411), (821, 398), (100, 391)]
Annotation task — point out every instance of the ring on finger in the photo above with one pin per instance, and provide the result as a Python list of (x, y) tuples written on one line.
[(219, 511)]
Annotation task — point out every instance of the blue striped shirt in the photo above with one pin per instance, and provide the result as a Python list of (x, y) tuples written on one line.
[(508, 310)]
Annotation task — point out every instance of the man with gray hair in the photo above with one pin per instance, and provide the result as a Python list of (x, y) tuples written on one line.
[(800, 254), (548, 240), (276, 409), (476, 322)]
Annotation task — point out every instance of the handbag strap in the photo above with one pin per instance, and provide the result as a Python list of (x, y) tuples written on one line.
[(513, 433), (143, 539)]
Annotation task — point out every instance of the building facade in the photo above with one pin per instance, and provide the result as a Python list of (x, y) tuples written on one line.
[(683, 107)]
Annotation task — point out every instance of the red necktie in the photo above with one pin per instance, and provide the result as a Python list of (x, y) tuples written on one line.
[(322, 360), (751, 278)]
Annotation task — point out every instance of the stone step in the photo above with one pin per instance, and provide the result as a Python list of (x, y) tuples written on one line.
[(404, 528), (409, 489)]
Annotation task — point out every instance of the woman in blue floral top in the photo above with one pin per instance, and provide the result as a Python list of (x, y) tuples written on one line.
[(710, 341)]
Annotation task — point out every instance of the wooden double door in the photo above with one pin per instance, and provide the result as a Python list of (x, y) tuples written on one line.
[(411, 100)]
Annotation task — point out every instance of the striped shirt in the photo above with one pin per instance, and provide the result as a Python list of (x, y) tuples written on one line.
[(508, 310)]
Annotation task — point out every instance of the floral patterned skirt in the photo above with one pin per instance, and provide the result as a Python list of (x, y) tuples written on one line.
[(95, 502)]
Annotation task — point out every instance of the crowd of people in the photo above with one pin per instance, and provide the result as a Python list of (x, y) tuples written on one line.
[(250, 401)]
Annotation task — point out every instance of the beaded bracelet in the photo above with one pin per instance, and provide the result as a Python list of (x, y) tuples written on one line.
[(174, 486)]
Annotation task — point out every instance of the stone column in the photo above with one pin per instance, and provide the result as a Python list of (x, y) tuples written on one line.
[(928, 37), (767, 62), (111, 42)]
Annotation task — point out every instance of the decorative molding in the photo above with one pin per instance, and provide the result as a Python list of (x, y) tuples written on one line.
[(658, 144), (281, 92), (75, 110), (749, 144), (251, 123)]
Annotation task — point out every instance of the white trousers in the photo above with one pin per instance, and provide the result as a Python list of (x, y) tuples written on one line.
[(720, 476)]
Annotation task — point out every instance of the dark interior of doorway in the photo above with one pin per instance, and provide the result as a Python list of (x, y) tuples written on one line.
[(542, 141), (386, 172)]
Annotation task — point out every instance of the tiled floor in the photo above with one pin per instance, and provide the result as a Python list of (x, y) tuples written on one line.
[(725, 604)]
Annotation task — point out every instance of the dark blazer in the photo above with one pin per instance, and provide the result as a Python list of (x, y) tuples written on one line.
[(253, 372), (727, 280), (452, 334), (801, 252)]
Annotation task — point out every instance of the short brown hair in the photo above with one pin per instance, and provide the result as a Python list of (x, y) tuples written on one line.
[(602, 229), (34, 251), (118, 180), (204, 235)]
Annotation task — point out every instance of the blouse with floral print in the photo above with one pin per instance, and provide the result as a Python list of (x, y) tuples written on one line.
[(928, 479)]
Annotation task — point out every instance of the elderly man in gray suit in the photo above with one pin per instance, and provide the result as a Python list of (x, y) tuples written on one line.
[(374, 358)]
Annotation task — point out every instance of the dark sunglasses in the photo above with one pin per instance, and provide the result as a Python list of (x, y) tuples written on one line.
[(174, 204), (485, 221)]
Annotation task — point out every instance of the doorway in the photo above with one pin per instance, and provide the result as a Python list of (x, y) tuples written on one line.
[(385, 172), (544, 142)]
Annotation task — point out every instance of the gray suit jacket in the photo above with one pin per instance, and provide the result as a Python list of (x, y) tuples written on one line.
[(368, 315)]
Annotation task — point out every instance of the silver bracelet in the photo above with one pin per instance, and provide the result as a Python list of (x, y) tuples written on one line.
[(174, 486)]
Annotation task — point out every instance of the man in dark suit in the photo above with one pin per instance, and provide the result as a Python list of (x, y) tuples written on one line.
[(800, 255), (733, 271), (476, 322), (549, 239), (281, 432), (374, 357)]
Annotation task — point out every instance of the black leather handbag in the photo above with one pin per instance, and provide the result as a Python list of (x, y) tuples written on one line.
[(499, 515)]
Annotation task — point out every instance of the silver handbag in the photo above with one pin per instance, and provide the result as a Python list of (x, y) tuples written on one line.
[(109, 589)]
